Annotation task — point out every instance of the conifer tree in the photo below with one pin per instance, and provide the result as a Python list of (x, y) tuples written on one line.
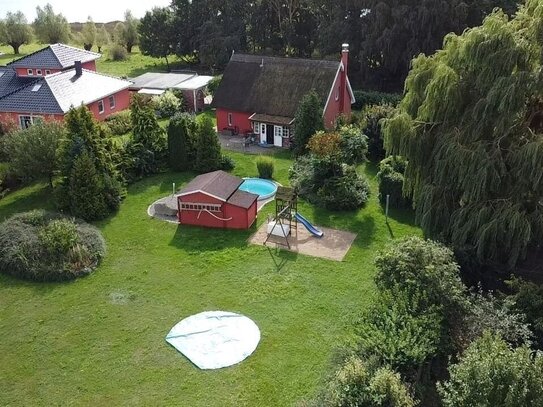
[(307, 121), (208, 153), (181, 149), (471, 127)]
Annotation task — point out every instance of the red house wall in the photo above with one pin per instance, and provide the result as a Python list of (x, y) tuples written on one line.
[(91, 66), (341, 106), (122, 102), (13, 117), (239, 120), (241, 218)]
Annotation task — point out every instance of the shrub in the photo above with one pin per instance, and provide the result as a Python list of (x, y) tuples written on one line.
[(46, 246), (208, 154), (363, 383), (328, 184), (32, 152), (354, 145), (348, 191), (119, 123), (308, 120), (399, 332), (182, 142), (486, 312), (423, 269), (366, 98), (167, 104), (118, 53), (391, 179), (227, 163), (527, 299), (213, 85), (490, 373), (372, 118), (265, 167)]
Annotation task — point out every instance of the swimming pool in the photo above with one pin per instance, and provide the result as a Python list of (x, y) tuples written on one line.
[(262, 187)]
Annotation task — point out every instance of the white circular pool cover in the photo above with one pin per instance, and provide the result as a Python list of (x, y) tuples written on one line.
[(215, 339)]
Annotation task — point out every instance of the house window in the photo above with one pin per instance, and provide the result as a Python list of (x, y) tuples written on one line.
[(112, 102), (337, 94), (30, 72), (229, 119), (286, 132), (26, 121), (100, 106), (38, 72), (48, 72)]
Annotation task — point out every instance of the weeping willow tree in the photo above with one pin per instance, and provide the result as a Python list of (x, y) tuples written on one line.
[(471, 127)]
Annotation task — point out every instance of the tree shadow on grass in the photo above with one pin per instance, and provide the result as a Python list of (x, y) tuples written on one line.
[(37, 196)]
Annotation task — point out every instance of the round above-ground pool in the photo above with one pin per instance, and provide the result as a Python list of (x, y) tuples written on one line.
[(262, 187)]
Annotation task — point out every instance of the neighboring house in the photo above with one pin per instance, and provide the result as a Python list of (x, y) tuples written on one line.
[(191, 84), (261, 94), (44, 85), (215, 200)]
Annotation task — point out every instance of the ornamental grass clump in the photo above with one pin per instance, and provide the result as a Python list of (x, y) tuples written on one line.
[(46, 246), (265, 167)]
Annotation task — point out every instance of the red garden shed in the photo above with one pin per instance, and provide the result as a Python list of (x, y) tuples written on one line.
[(214, 200)]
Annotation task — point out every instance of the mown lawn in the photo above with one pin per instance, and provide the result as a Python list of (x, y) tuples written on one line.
[(135, 65), (100, 340)]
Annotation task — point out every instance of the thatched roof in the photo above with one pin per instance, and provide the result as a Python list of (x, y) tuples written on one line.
[(271, 85)]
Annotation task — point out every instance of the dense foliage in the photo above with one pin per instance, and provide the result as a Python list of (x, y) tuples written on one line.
[(490, 373), (363, 383), (51, 28), (119, 123), (470, 127), (265, 166), (391, 179), (89, 34), (156, 32), (126, 33), (47, 246), (365, 99), (15, 31), (308, 120), (208, 149), (88, 151), (327, 176), (182, 142), (32, 152), (146, 152), (527, 299), (167, 104), (372, 118)]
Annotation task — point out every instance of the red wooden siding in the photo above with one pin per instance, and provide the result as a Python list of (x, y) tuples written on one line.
[(240, 120)]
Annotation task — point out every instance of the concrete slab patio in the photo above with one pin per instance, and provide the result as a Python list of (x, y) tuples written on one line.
[(334, 245)]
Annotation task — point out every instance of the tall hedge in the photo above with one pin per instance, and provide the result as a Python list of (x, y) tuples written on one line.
[(307, 121), (181, 142), (208, 153)]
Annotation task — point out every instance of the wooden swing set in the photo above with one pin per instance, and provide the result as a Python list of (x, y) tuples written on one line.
[(286, 207)]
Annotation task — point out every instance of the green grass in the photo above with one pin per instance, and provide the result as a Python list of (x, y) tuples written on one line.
[(135, 65), (100, 340)]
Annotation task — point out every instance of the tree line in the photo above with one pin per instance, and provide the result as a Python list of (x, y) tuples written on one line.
[(50, 28), (384, 35)]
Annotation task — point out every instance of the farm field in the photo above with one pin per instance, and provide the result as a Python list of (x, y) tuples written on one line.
[(100, 340)]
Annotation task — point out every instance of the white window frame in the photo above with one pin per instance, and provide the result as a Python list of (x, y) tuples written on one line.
[(191, 206), (30, 72), (286, 132), (230, 121), (48, 72), (101, 103), (31, 119), (278, 136), (38, 72), (110, 99)]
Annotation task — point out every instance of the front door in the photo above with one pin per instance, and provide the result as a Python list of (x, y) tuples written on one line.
[(269, 134)]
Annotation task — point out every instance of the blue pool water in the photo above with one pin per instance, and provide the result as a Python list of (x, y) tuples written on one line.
[(263, 188)]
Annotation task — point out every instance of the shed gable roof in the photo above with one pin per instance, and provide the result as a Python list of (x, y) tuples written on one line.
[(217, 184), (271, 85), (55, 56)]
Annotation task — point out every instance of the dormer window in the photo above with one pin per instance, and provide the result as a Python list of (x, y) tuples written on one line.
[(36, 87), (38, 72), (30, 72)]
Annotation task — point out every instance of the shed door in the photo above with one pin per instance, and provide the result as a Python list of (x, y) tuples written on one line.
[(263, 132)]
